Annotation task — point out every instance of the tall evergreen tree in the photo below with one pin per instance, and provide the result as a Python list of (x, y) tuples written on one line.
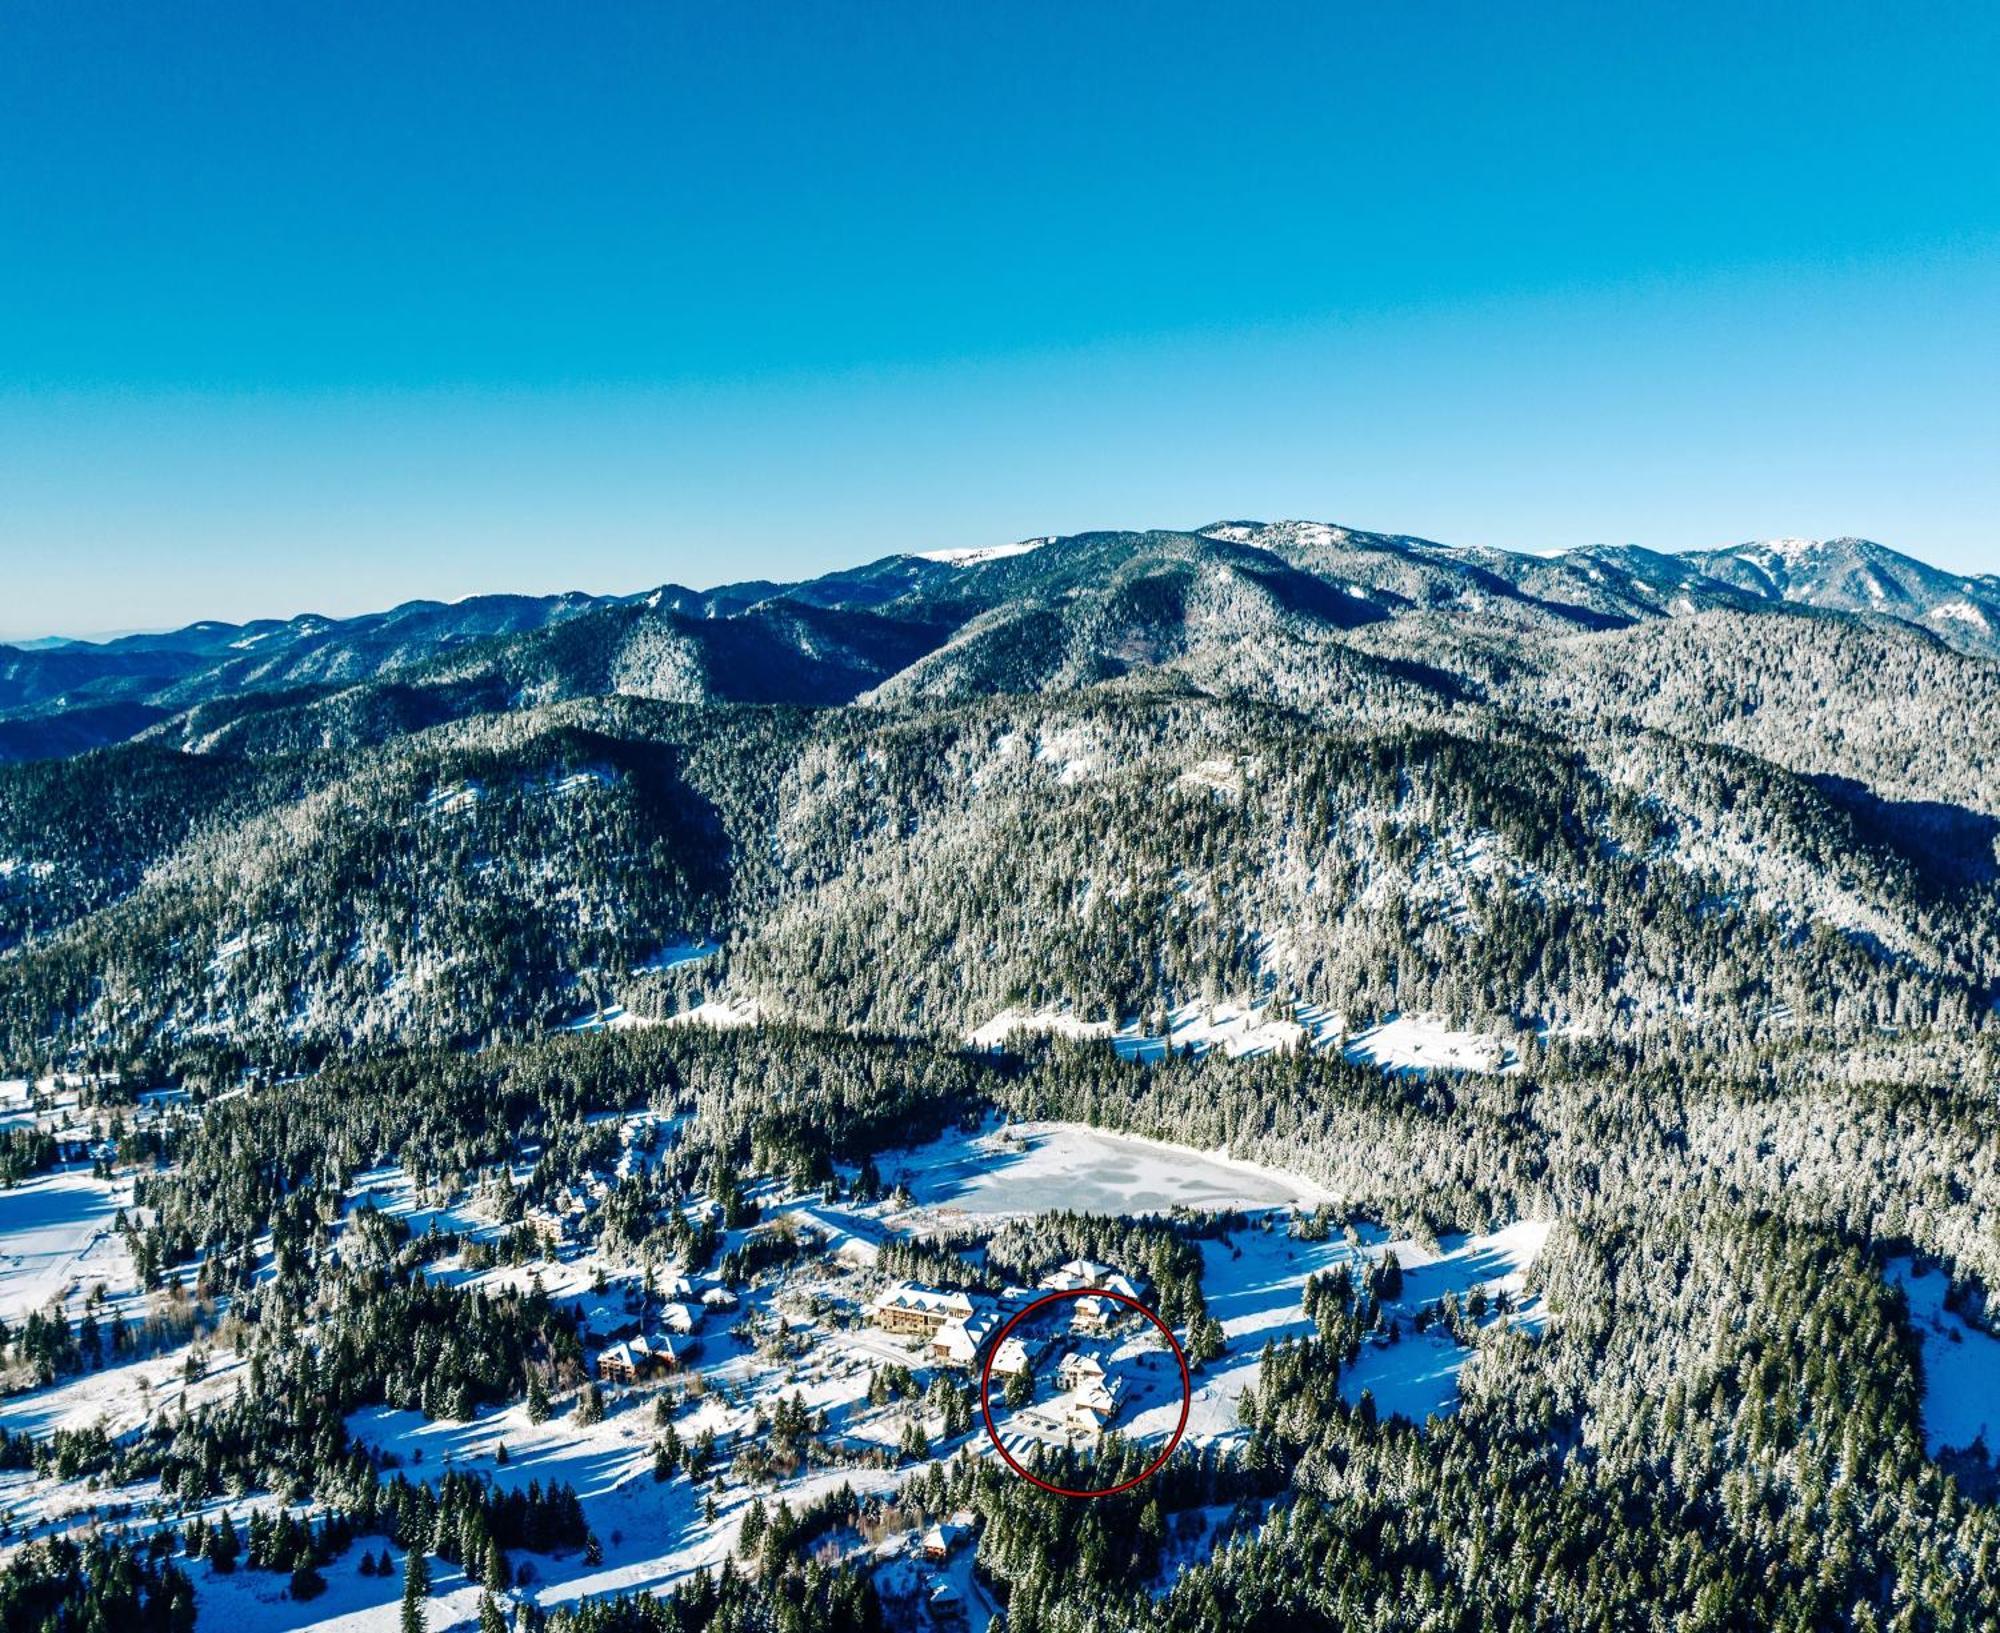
[(416, 1592)]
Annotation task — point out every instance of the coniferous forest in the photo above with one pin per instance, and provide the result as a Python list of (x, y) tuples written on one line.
[(405, 1041)]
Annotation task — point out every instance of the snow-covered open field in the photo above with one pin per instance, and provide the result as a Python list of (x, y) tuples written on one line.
[(1041, 1167), (1254, 1284), (1424, 1043), (1419, 1374), (55, 1232)]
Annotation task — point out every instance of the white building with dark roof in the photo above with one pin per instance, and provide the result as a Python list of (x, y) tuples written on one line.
[(1087, 1275), (959, 1342)]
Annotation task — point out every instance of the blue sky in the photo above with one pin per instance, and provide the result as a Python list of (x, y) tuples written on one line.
[(322, 307)]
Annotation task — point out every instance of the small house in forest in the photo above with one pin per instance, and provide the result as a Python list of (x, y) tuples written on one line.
[(636, 1359)]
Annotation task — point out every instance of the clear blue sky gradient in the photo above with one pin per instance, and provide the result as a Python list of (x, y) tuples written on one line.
[(320, 307)]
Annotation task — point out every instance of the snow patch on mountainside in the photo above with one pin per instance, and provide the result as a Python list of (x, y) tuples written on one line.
[(1397, 1043), (1042, 1023), (1792, 552), (1238, 1030), (457, 797), (611, 1018), (726, 1014), (1324, 535), (983, 553), (1963, 612), (1067, 751), (230, 948), (1427, 1043), (1030, 1168), (1221, 775)]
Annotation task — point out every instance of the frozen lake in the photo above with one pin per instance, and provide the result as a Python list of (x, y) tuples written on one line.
[(1041, 1167)]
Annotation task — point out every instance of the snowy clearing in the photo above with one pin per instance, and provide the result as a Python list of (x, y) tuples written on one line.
[(1047, 1023), (1961, 1365), (725, 1013), (1427, 1043), (1254, 1284), (1419, 1374), (56, 1230), (1398, 1042)]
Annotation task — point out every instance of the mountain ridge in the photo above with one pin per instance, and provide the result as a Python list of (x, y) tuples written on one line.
[(72, 696), (793, 770), (1764, 568)]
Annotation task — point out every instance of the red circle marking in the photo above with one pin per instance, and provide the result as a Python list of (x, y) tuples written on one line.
[(986, 1391)]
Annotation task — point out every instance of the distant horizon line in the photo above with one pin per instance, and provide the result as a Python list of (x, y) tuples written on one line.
[(22, 641)]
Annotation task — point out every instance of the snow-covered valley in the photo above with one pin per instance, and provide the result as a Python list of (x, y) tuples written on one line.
[(799, 1331)]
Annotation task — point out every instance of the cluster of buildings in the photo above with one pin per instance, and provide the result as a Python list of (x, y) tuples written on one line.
[(561, 1220), (846, 1241), (631, 1353), (957, 1326), (958, 1329), (916, 1581), (1092, 1314)]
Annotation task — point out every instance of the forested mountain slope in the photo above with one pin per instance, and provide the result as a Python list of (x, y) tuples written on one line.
[(1104, 776)]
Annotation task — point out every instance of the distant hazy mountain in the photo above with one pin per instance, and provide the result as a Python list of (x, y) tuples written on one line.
[(1330, 620), (1041, 614), (1857, 576), (59, 698)]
